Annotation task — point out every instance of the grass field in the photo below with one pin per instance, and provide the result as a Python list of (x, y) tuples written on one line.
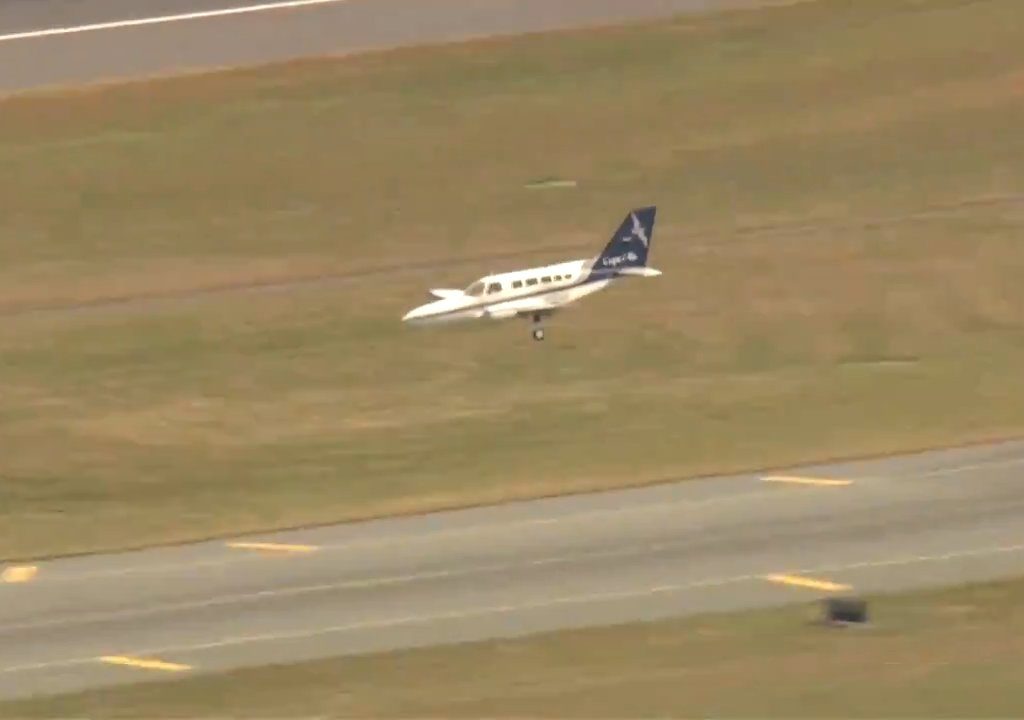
[(941, 654), (839, 187)]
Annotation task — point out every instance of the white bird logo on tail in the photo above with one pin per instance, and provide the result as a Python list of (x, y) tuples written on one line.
[(638, 231)]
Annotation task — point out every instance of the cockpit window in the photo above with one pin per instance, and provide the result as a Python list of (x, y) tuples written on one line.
[(476, 289), (494, 288)]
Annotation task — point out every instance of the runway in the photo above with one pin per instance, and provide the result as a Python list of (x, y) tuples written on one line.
[(32, 60), (702, 545)]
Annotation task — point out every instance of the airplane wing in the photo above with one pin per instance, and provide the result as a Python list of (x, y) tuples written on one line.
[(524, 306), (445, 293)]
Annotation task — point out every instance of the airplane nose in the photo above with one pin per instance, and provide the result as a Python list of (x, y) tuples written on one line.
[(413, 314)]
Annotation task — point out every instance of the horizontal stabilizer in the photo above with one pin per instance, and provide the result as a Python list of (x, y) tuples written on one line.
[(640, 271)]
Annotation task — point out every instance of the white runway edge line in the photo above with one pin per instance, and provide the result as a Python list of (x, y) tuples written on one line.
[(163, 19)]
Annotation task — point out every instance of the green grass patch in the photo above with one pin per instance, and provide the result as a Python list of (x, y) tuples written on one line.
[(839, 233), (949, 653)]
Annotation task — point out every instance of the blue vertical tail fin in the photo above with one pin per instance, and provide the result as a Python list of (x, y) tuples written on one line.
[(630, 245)]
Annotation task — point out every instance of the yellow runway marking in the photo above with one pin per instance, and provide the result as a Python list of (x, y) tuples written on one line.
[(146, 663), (19, 573), (806, 582), (273, 547), (830, 482)]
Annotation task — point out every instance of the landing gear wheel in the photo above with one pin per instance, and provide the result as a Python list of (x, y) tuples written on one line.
[(538, 330)]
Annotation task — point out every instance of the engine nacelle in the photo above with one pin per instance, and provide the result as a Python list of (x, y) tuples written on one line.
[(501, 313)]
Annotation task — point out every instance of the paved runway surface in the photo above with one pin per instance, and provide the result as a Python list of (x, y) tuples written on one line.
[(29, 61), (695, 546)]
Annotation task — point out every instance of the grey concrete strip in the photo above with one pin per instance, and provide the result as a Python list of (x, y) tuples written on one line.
[(26, 15), (702, 545), (239, 40)]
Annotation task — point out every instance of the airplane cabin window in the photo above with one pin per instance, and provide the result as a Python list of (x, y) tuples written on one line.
[(531, 281), (517, 283), (546, 278)]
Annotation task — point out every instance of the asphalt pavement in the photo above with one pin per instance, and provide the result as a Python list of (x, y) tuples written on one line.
[(31, 59), (701, 545)]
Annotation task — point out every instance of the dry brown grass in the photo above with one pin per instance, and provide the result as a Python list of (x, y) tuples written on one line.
[(839, 186)]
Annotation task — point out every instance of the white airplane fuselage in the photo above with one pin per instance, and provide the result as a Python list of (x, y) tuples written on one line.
[(558, 285), (539, 292)]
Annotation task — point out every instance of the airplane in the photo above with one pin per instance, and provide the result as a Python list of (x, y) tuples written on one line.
[(539, 292)]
